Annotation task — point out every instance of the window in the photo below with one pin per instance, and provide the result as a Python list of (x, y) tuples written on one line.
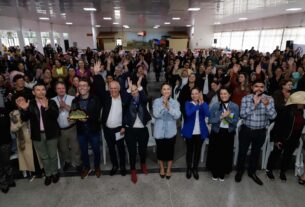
[(217, 36), (236, 40), (297, 35), (251, 39), (9, 38), (270, 39), (45, 36), (225, 39), (30, 37)]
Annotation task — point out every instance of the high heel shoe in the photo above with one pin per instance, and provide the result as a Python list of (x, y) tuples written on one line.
[(162, 175), (168, 176)]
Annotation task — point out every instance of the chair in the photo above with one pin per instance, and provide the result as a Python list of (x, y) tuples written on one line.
[(268, 148), (206, 141), (236, 141), (299, 164)]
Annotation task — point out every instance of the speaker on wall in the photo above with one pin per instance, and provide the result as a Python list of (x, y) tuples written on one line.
[(215, 41), (289, 44)]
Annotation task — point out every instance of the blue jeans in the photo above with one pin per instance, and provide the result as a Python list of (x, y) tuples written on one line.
[(94, 139)]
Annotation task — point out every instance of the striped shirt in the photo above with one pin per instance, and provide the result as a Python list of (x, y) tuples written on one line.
[(257, 118)]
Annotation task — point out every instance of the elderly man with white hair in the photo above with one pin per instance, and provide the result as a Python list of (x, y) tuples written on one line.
[(112, 121)]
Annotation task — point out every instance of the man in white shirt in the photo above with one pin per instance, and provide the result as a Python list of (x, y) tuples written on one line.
[(112, 118), (68, 143)]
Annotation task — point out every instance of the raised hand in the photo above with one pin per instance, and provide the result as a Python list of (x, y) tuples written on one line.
[(139, 81), (129, 82), (44, 102), (21, 103), (97, 67), (256, 99), (272, 59)]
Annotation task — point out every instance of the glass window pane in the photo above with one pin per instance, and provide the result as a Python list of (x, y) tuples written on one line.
[(270, 39), (236, 40), (251, 39)]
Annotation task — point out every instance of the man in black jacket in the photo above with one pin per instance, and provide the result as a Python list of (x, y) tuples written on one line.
[(43, 114), (88, 129), (112, 121)]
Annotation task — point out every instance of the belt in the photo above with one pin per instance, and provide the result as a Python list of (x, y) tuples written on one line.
[(69, 127)]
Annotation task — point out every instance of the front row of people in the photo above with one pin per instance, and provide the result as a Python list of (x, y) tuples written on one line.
[(124, 116)]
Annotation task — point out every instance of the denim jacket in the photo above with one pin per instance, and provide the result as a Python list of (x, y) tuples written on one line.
[(165, 120), (215, 113)]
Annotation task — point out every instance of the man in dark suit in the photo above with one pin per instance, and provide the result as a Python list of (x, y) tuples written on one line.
[(112, 118), (43, 114)]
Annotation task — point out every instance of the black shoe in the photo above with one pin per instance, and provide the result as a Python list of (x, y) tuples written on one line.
[(238, 177), (283, 176), (5, 190), (113, 171), (168, 177), (123, 171), (47, 180), (255, 179), (195, 174), (270, 175), (188, 173), (66, 167), (162, 176), (55, 178), (12, 184)]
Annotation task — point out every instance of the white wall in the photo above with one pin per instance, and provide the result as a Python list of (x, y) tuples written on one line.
[(76, 33), (201, 36), (282, 21)]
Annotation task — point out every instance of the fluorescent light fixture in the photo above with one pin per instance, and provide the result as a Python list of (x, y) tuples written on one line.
[(188, 25), (126, 26), (115, 23), (194, 9), (97, 25), (107, 18), (294, 9), (44, 18), (176, 18), (69, 23), (156, 26), (63, 14), (217, 23), (167, 23), (243, 18), (89, 9)]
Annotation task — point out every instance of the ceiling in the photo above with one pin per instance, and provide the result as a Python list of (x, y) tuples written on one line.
[(146, 13)]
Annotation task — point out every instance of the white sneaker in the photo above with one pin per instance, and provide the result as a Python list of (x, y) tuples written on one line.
[(221, 180), (215, 179)]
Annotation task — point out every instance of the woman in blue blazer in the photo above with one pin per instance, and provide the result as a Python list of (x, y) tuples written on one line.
[(194, 130), (224, 118)]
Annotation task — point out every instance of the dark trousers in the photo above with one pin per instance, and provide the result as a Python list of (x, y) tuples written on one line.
[(220, 153), (94, 139), (136, 138), (287, 149), (112, 143), (6, 170), (256, 138), (193, 151)]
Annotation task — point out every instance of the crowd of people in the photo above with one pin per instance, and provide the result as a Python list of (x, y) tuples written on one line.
[(209, 91)]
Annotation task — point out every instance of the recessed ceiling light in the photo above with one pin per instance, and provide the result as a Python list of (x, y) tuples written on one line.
[(176, 18), (69, 23), (188, 25), (294, 9), (107, 18), (156, 26), (217, 23), (97, 25), (194, 9), (44, 18), (243, 18), (167, 23), (89, 9), (115, 23), (126, 26)]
